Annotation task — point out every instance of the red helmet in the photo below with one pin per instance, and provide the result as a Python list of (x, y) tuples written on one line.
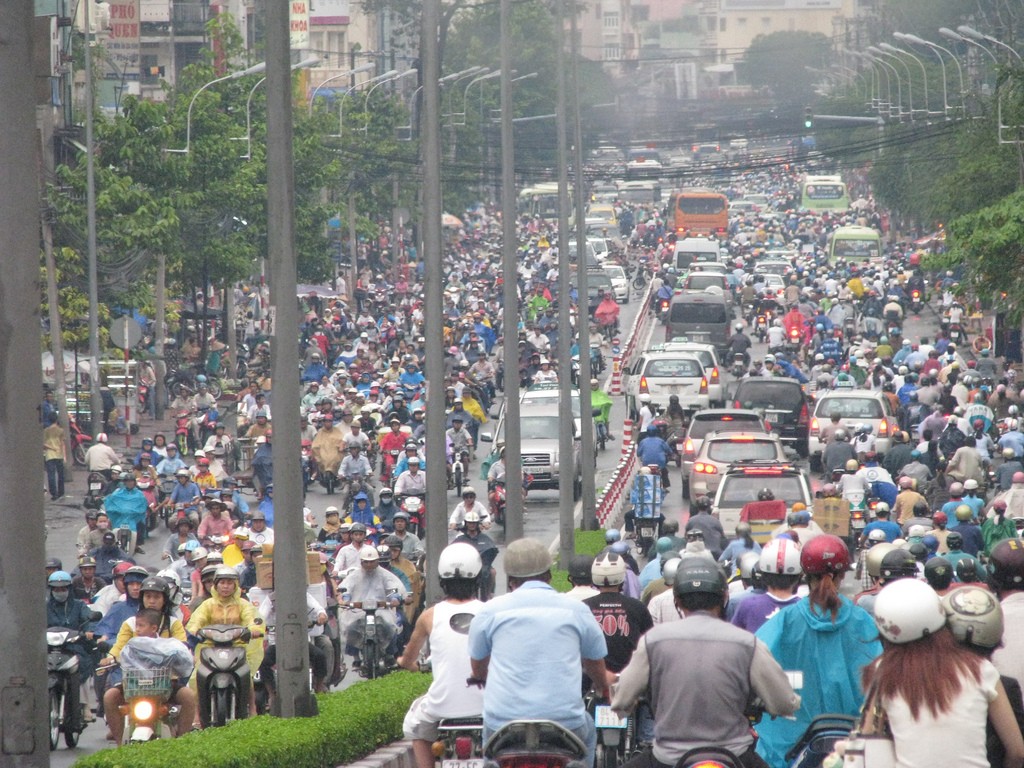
[(121, 569), (1008, 564), (824, 554)]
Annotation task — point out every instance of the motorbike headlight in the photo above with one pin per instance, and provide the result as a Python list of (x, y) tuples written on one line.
[(143, 710)]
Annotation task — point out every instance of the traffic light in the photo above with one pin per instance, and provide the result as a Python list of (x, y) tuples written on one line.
[(808, 118)]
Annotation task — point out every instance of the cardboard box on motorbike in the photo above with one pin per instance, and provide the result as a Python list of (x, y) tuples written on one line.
[(265, 569)]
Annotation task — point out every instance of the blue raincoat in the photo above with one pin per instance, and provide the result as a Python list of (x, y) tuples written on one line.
[(830, 655)]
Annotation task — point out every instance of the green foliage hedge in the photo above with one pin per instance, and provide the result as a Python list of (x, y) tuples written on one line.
[(352, 723), (586, 543)]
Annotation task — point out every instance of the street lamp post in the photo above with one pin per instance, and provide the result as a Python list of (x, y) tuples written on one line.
[(924, 74), (973, 34), (883, 56), (358, 70), (887, 68), (393, 79), (312, 61), (253, 70), (935, 48)]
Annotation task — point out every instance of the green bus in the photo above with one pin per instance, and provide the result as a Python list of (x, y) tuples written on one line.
[(820, 194), (854, 244)]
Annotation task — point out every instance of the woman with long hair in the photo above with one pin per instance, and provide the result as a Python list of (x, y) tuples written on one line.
[(936, 694), (824, 637)]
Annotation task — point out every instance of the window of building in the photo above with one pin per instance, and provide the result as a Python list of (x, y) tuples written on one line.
[(611, 52), (766, 22), (611, 20), (741, 22), (721, 23)]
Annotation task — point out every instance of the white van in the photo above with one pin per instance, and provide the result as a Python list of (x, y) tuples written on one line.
[(694, 250)]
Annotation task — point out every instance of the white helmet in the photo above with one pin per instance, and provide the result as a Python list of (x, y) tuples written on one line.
[(746, 564), (908, 610), (368, 555), (670, 569), (101, 437), (459, 561), (781, 556), (970, 485), (608, 570)]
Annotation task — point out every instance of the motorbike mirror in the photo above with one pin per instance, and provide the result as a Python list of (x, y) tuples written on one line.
[(595, 412), (460, 622), (486, 437)]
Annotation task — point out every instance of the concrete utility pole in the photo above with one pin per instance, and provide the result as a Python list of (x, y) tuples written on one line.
[(95, 400), (294, 699), (23, 703), (566, 463), (588, 520), (510, 292), (430, 131)]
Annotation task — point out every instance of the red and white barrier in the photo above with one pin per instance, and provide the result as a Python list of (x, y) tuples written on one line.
[(616, 386), (616, 492), (627, 435)]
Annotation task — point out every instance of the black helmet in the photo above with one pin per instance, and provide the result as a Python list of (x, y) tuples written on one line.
[(698, 574), (898, 564), (157, 584), (919, 551), (765, 494), (1008, 564), (967, 570), (703, 503), (955, 540), (938, 572)]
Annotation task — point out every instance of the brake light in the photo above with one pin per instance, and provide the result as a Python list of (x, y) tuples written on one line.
[(463, 747), (714, 375), (858, 514), (688, 446), (814, 424), (703, 385), (804, 414), (643, 385), (883, 428), (915, 294), (742, 439), (794, 333), (705, 469), (724, 418), (772, 471), (694, 148)]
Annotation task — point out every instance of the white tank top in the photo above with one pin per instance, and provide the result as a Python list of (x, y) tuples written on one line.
[(449, 696)]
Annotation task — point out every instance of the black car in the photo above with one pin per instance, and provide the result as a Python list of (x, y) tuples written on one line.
[(784, 404)]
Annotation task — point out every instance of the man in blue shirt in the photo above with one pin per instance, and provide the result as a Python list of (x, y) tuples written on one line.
[(533, 645), (882, 522)]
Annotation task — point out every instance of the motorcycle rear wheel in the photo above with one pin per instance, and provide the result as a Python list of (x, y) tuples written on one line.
[(78, 455), (458, 481)]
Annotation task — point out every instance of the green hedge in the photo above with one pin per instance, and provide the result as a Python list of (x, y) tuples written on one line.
[(586, 543), (352, 723)]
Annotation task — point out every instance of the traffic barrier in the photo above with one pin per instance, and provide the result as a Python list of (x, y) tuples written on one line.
[(627, 435), (616, 493), (616, 388)]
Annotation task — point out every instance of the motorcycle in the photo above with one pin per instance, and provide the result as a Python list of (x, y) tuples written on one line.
[(459, 466), (182, 383), (308, 465), (413, 506), (819, 740), (957, 334), (223, 675), (388, 461), (374, 662), (793, 342), (534, 742), (761, 325), (916, 301), (183, 431), (663, 305), (96, 484), (126, 537), (739, 365), (80, 442), (459, 742), (146, 693), (66, 715), (498, 499)]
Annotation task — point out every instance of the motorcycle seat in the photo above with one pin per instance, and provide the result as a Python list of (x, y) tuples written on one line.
[(534, 735)]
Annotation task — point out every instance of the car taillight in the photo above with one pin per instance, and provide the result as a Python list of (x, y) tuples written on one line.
[(688, 446), (643, 385), (814, 424), (705, 469), (803, 414), (703, 385), (883, 428), (714, 375), (463, 747)]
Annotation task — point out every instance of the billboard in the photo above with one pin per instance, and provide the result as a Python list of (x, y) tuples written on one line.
[(299, 22), (781, 5), (324, 12)]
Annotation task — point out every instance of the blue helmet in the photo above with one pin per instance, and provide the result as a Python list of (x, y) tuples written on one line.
[(59, 579)]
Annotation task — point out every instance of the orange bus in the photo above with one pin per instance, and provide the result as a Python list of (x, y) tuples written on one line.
[(699, 212)]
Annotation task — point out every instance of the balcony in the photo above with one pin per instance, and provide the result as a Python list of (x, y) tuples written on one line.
[(189, 20)]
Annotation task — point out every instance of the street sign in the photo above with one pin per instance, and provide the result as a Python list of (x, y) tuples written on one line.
[(125, 332)]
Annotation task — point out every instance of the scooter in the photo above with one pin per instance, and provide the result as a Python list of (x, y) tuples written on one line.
[(80, 442), (497, 498), (223, 675), (459, 742), (413, 506), (460, 463), (183, 431), (96, 483), (916, 301), (146, 693), (66, 716), (373, 653), (534, 743), (819, 740), (126, 538)]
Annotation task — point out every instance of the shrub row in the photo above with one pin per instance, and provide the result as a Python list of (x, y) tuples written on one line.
[(586, 543), (351, 724)]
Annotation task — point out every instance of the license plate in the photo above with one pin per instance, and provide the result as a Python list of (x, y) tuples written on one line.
[(95, 486), (473, 762), (370, 620), (772, 418), (604, 717)]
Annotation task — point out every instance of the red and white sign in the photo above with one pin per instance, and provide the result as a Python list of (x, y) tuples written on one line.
[(299, 21), (122, 42)]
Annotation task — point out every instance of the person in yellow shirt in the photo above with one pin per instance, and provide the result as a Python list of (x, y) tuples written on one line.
[(154, 619), (856, 286), (54, 454), (226, 606), (233, 552)]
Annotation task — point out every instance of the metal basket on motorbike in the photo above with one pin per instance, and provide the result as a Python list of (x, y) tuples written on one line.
[(146, 683)]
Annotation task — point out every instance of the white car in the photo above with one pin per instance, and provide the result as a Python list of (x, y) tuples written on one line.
[(855, 407), (661, 374), (600, 246), (708, 356), (620, 283)]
